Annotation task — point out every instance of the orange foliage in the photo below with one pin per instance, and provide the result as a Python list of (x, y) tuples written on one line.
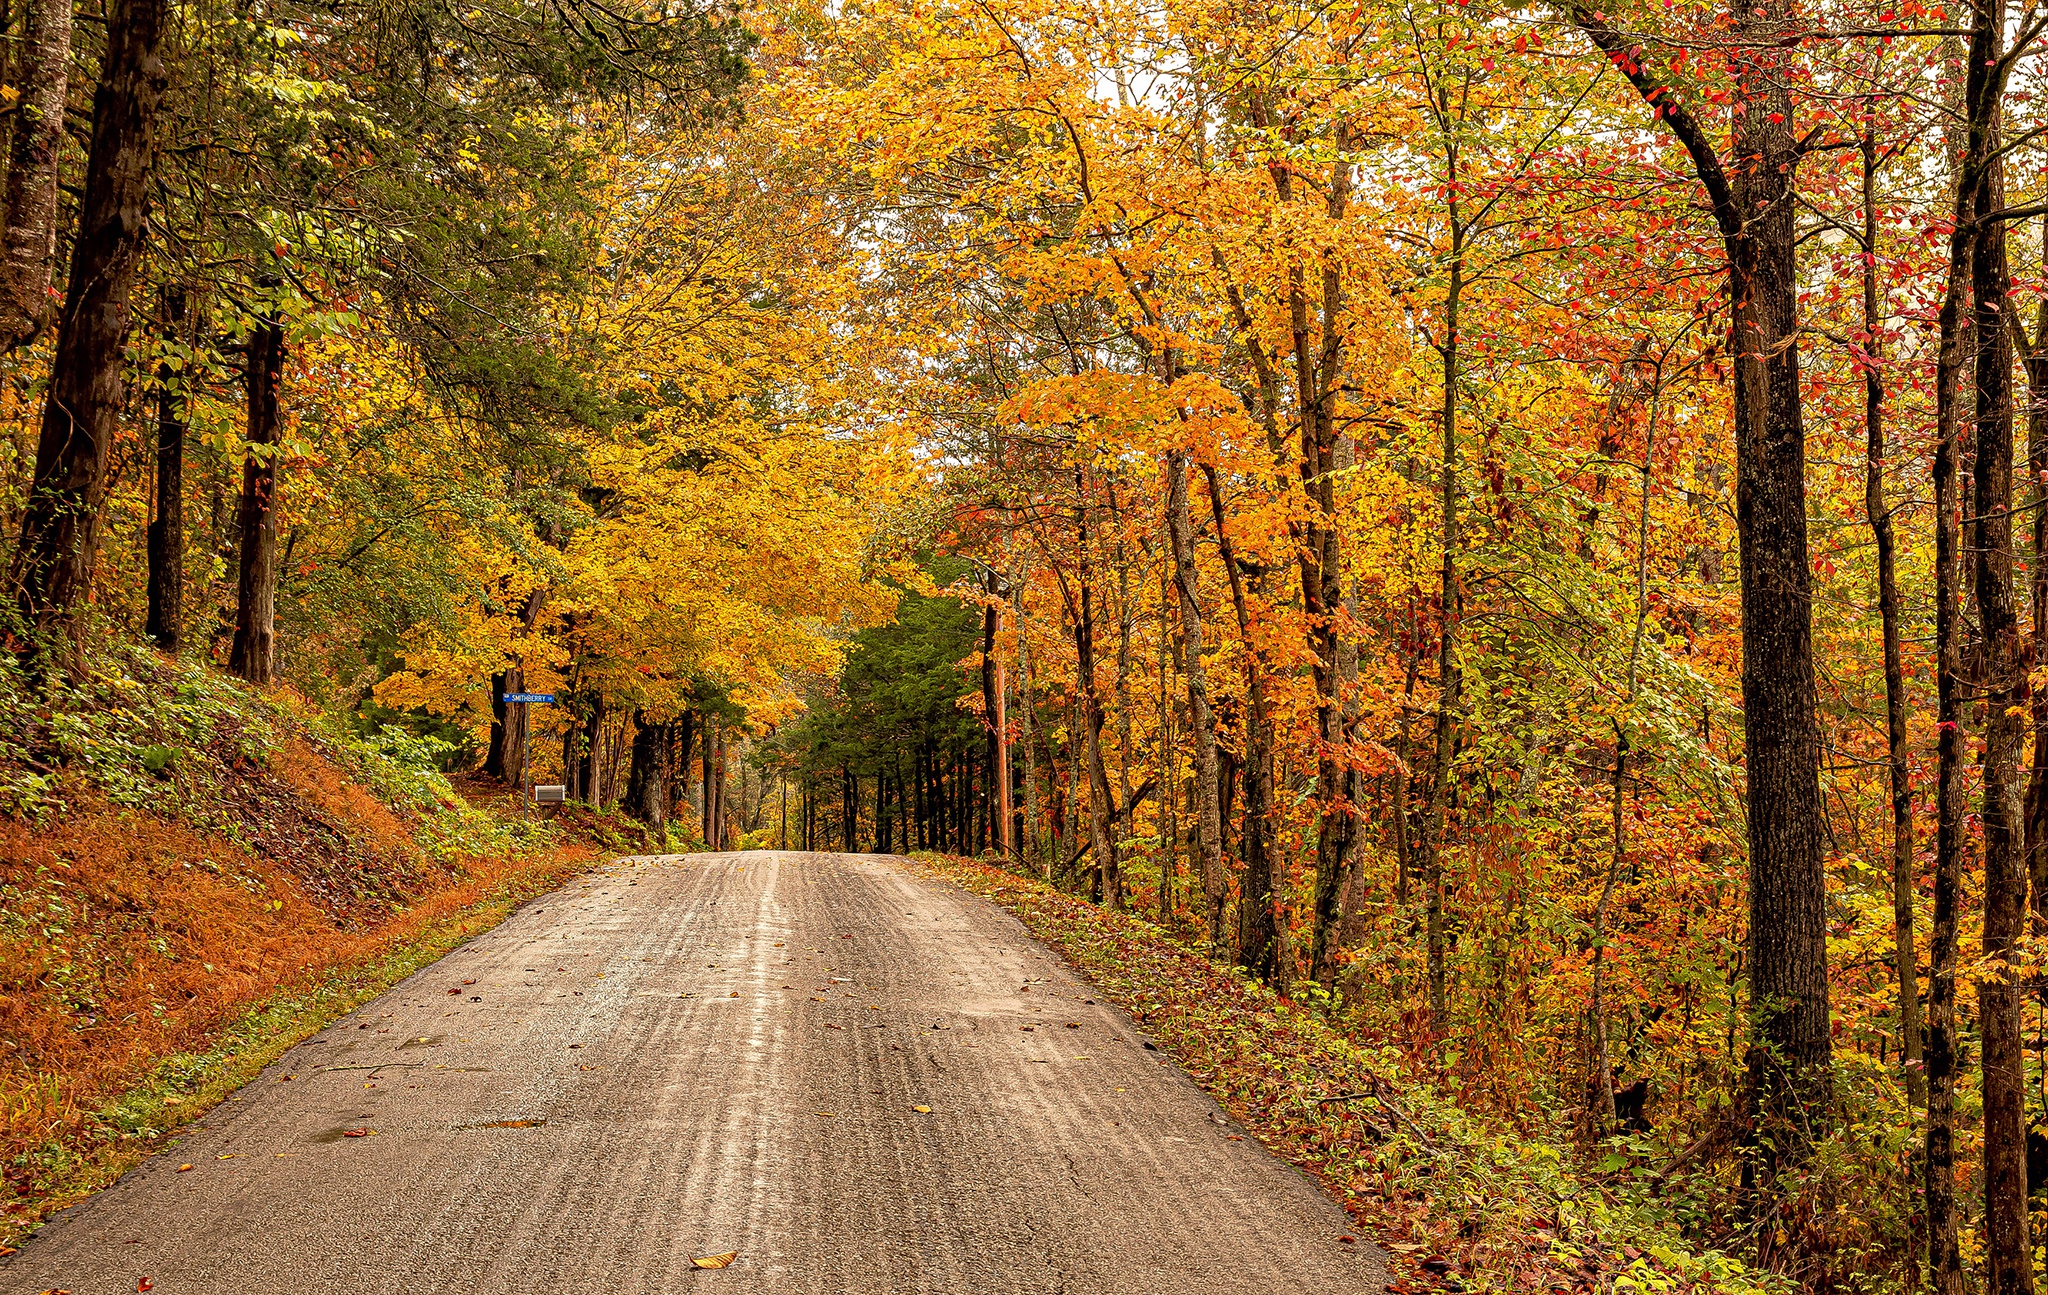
[(128, 937)]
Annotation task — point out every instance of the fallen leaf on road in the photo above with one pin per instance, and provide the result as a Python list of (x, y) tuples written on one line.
[(825, 1114), (54, 1291), (184, 1169), (357, 1133), (145, 1284), (922, 1110), (830, 1026), (734, 994), (227, 1155), (455, 991), (716, 1261)]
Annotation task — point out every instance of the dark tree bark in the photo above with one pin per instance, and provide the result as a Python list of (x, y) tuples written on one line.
[(683, 742), (1944, 1257), (714, 787), (2036, 367), (53, 564), (589, 761), (849, 808), (28, 252), (1753, 198), (647, 779), (1099, 807), (993, 809), (255, 649), (1429, 842), (495, 763), (1258, 933), (881, 813), (1879, 514), (2009, 1268), (1201, 717), (167, 529)]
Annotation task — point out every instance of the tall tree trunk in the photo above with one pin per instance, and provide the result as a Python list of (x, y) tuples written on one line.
[(1027, 714), (646, 781), (718, 740), (28, 258), (1258, 949), (2009, 1267), (1944, 1257), (849, 808), (1754, 204), (1201, 718), (881, 832), (1879, 513), (1099, 807), (990, 705), (505, 757), (588, 759), (683, 742), (1450, 682), (1318, 337), (167, 529), (2036, 367), (53, 563), (255, 649)]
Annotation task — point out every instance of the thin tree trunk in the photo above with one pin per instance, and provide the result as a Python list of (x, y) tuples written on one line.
[(1449, 680), (1201, 719), (1905, 961), (849, 808), (28, 258), (1099, 808), (255, 649), (167, 529), (1027, 713), (1944, 1257), (1258, 934), (989, 703), (59, 545)]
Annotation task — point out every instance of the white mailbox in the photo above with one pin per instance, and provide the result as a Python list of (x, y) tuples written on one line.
[(549, 793)]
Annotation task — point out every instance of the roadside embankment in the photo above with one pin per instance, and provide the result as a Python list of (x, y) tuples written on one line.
[(193, 877)]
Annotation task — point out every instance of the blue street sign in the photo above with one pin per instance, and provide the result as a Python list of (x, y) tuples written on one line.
[(537, 698)]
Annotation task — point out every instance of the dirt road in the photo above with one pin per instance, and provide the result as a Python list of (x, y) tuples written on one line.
[(692, 1056)]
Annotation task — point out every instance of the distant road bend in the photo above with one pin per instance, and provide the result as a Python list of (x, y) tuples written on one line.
[(685, 1057)]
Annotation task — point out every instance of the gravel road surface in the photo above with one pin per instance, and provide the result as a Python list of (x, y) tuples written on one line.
[(684, 1057)]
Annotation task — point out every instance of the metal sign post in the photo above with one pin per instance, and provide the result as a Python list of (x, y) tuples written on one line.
[(524, 699)]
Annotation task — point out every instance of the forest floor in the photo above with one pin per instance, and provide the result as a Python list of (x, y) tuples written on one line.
[(759, 1071)]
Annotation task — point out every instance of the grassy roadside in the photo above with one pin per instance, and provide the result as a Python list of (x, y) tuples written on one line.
[(1459, 1206), (183, 1087)]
